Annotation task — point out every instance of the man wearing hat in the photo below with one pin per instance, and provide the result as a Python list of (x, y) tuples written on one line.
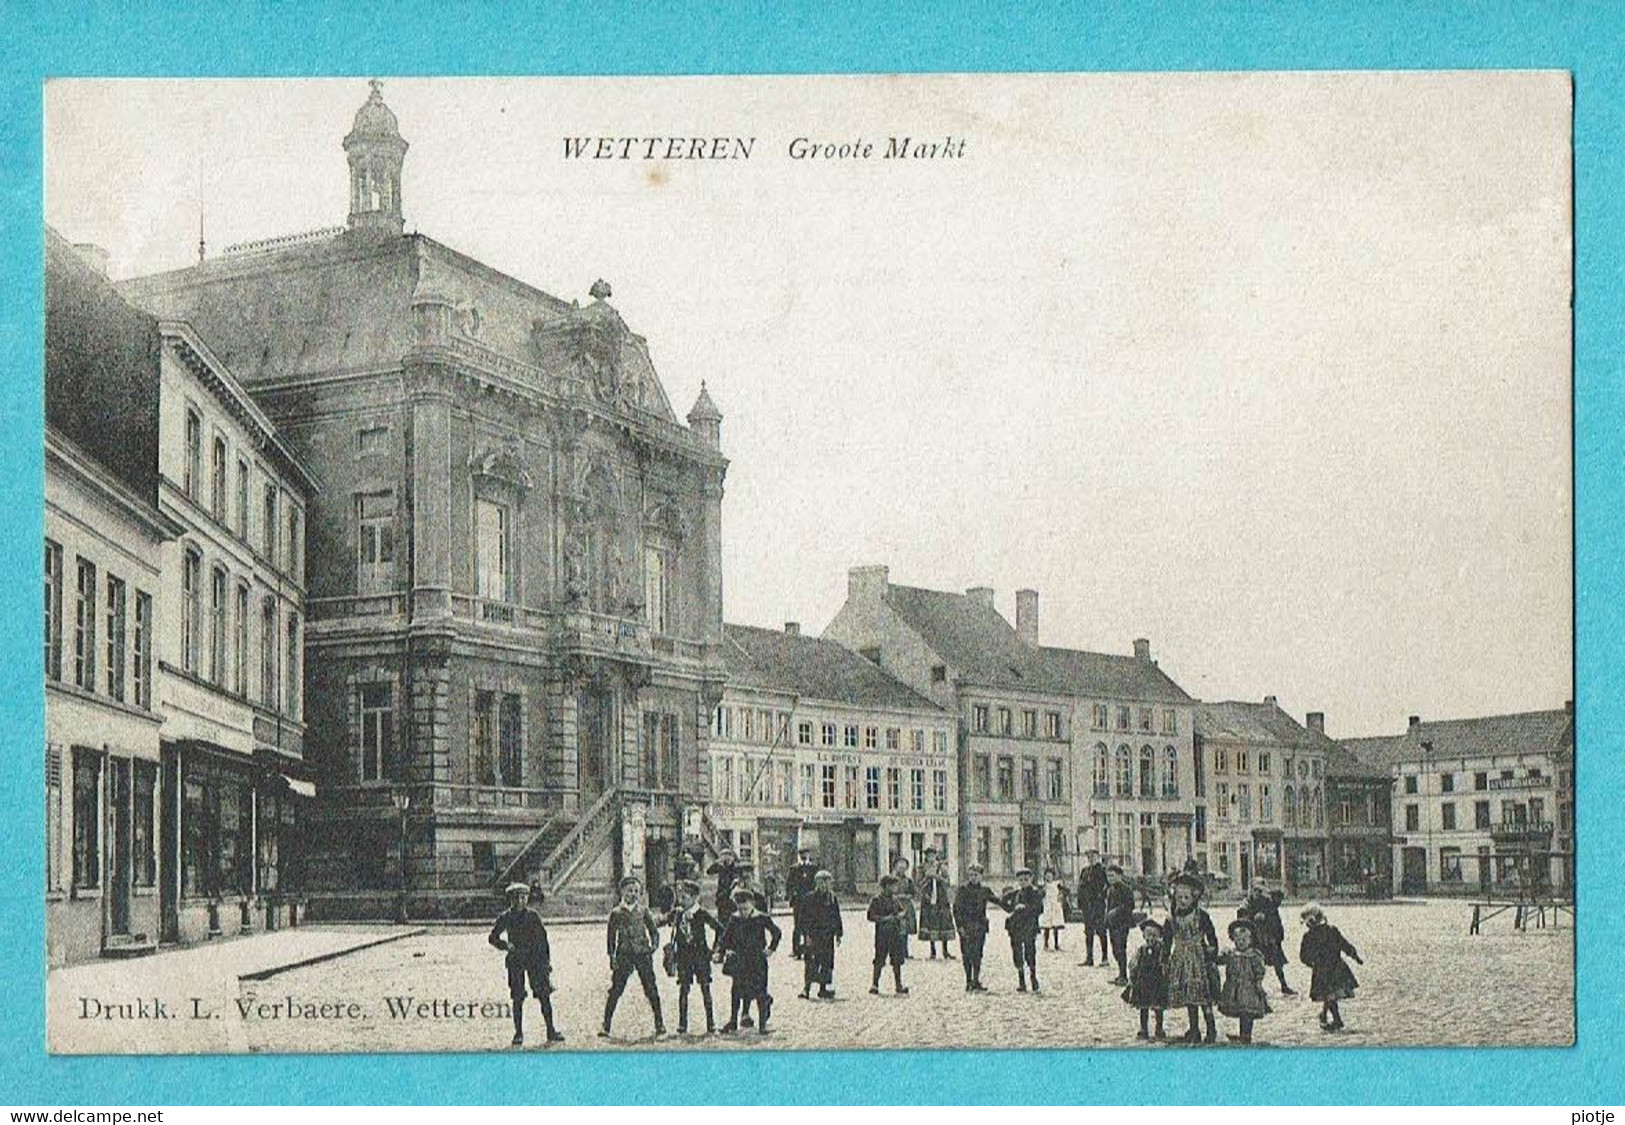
[(691, 946), (1025, 903), (971, 901), (632, 936), (520, 933), (819, 922), (1092, 905), (798, 884), (1119, 918)]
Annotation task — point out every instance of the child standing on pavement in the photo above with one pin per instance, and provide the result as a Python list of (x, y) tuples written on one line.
[(1052, 920), (520, 933), (1147, 979), (888, 913), (819, 916), (1193, 947), (632, 936), (1025, 902), (970, 918), (750, 937), (689, 923), (1331, 979), (1242, 994)]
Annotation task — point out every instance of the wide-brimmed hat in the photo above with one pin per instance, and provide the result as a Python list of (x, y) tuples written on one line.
[(1186, 879), (1241, 924), (1147, 922)]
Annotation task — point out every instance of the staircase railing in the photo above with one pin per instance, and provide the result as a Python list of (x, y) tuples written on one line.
[(517, 871), (571, 851)]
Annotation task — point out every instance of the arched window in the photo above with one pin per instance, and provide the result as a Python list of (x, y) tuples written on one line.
[(1125, 772), (1103, 776), (1320, 815), (1148, 772), (1170, 772), (1291, 807)]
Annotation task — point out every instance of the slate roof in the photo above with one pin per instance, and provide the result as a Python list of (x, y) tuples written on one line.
[(985, 649), (814, 669), (343, 303), (1343, 762), (1235, 721), (1445, 739), (101, 369)]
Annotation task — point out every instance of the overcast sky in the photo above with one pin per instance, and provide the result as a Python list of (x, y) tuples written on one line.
[(1272, 369)]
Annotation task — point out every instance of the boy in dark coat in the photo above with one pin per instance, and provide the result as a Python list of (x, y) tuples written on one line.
[(748, 939), (1119, 918), (820, 921), (520, 932), (798, 884), (1024, 902), (631, 939), (970, 919), (890, 916), (689, 923), (1092, 905)]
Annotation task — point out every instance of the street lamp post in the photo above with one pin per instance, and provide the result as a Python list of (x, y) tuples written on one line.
[(403, 802)]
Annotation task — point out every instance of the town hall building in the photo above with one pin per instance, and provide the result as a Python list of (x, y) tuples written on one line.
[(514, 634)]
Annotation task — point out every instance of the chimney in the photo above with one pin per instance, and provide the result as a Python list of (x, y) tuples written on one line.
[(867, 583), (1142, 650), (1027, 616), (94, 256), (1416, 721), (792, 628), (1316, 721), (981, 595), (1269, 701)]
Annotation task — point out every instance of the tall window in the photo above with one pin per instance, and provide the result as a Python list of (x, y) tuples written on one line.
[(826, 734), (1029, 779), (1006, 720), (84, 626), (217, 478), (511, 763), (916, 789), (808, 780), (1029, 724), (981, 777), (1102, 778), (656, 588), (53, 610), (87, 819), (1244, 802), (1052, 724), (1148, 772), (192, 470), (1290, 809), (1125, 772), (894, 787), (141, 651), (191, 613), (1054, 790), (217, 626), (240, 649), (850, 792), (826, 792), (939, 791), (1221, 800), (291, 663), (978, 717), (1007, 779), (115, 637), (375, 542), (1266, 805), (270, 516), (377, 731), (296, 546), (491, 550), (482, 747), (1098, 719), (242, 500), (871, 788), (269, 688), (1170, 772)]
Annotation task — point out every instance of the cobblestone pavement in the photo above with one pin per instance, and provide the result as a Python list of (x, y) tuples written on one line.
[(1425, 982)]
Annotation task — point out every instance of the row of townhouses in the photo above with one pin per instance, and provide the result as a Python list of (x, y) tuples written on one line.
[(376, 578)]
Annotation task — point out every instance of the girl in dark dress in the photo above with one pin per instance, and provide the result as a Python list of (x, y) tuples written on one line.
[(1148, 979), (1262, 908), (1331, 979)]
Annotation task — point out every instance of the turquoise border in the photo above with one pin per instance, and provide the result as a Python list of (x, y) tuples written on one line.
[(150, 37)]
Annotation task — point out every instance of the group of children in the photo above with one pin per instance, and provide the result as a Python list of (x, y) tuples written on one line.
[(1179, 965)]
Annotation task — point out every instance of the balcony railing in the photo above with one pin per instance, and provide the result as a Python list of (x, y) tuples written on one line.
[(358, 605), (1538, 782), (448, 795)]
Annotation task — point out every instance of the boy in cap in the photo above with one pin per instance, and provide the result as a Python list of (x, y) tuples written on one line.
[(819, 919), (1092, 905), (798, 884), (632, 936), (689, 923), (748, 940), (889, 914), (970, 919), (520, 933), (1024, 902), (1119, 918), (728, 873)]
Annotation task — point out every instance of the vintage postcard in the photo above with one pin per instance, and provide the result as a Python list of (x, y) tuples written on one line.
[(808, 562)]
